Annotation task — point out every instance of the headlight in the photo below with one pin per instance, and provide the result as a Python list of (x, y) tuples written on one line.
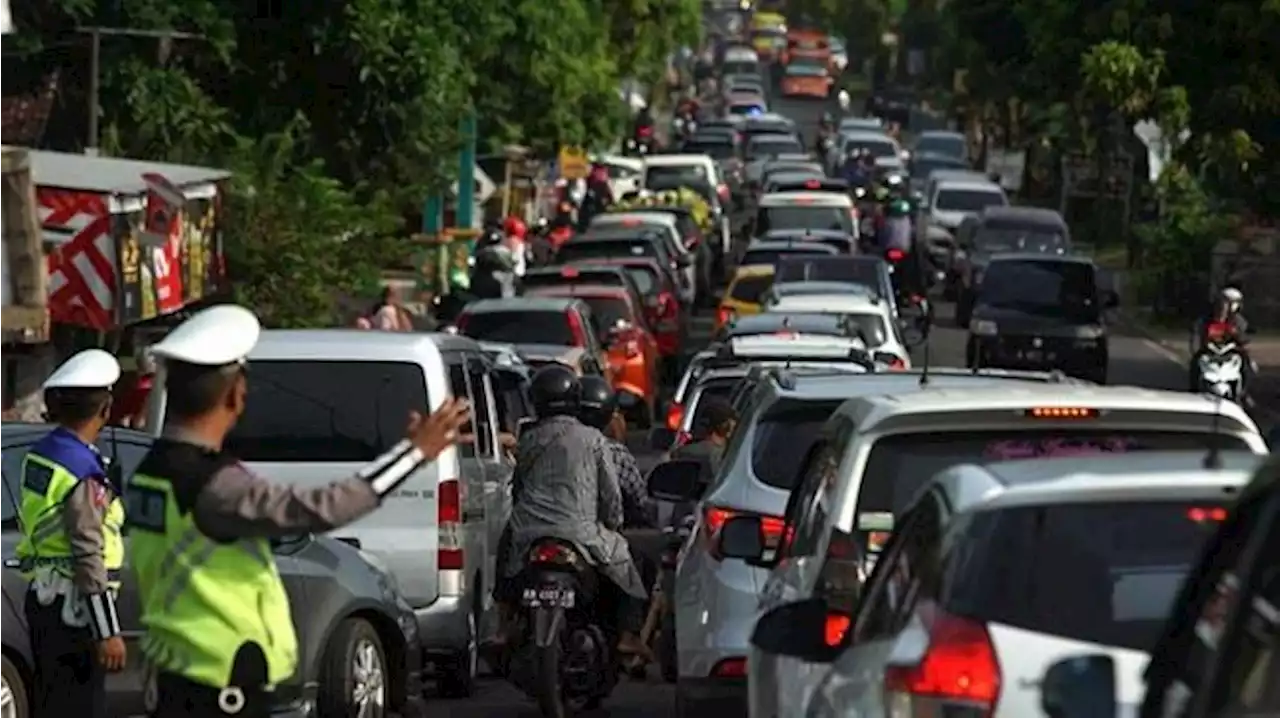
[(1088, 332), (983, 328)]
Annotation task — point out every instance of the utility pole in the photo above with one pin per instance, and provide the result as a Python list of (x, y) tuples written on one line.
[(95, 61)]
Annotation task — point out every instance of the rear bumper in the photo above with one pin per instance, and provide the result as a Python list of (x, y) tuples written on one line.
[(442, 625)]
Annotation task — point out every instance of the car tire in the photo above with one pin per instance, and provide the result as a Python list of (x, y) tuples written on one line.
[(14, 700), (456, 675), (354, 674)]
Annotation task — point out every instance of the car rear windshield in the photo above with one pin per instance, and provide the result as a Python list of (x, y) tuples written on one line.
[(1047, 288), (681, 175), (578, 277), (750, 288), (1018, 239), (830, 269), (741, 108), (899, 465), (772, 148), (646, 278), (520, 327), (783, 438), (716, 150), (877, 149), (968, 200), (801, 216), (1100, 573), (943, 145), (774, 257), (608, 310), (325, 411), (583, 251)]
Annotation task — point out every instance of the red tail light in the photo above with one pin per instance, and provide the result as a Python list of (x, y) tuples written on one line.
[(812, 184), (716, 516), (576, 329), (897, 364), (644, 131), (551, 552), (730, 668), (895, 255), (675, 415), (724, 315), (1200, 515), (723, 191), (837, 625), (449, 557), (960, 666), (668, 308)]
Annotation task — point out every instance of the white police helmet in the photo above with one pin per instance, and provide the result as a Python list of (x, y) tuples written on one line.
[(89, 369), (216, 336)]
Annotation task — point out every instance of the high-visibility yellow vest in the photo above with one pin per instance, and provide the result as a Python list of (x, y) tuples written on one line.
[(203, 600)]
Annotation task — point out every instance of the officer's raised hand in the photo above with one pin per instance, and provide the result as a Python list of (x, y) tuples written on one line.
[(434, 433), (111, 654)]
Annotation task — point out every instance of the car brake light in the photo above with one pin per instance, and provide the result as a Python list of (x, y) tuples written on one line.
[(675, 415), (730, 668), (630, 222), (1200, 515), (570, 272), (715, 517), (837, 625), (896, 363), (723, 191), (895, 255), (724, 315), (1061, 412), (960, 665), (449, 556), (812, 184), (576, 330), (667, 306)]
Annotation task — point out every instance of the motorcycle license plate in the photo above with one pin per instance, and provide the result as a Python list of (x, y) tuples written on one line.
[(549, 596)]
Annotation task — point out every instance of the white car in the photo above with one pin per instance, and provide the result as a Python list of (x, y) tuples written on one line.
[(624, 173), (951, 200), (881, 146), (910, 438), (804, 210), (872, 315), (699, 170)]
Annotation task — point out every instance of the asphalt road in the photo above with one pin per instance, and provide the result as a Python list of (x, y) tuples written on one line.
[(1134, 360)]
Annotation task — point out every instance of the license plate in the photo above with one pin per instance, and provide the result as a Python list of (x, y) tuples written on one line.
[(552, 597)]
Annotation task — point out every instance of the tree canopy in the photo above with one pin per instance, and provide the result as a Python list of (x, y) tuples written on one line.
[(342, 117)]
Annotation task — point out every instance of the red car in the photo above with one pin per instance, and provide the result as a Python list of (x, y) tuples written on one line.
[(662, 305)]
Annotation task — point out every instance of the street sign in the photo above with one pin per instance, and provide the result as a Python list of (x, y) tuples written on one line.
[(574, 164), (484, 186)]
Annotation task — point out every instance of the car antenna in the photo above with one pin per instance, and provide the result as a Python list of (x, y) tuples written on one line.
[(1213, 459)]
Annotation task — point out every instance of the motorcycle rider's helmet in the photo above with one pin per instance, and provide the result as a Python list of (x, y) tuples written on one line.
[(898, 208), (844, 100), (555, 391), (827, 119), (597, 403), (514, 227), (1231, 299), (893, 182)]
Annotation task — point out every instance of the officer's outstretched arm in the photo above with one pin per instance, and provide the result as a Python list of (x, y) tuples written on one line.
[(236, 503), (83, 514)]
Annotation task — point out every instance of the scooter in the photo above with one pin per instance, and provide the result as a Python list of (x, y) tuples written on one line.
[(1220, 366)]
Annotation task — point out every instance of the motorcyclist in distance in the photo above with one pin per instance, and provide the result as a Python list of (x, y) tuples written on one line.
[(826, 128), (857, 171), (1225, 321), (515, 237), (599, 410), (598, 197), (565, 487), (844, 101)]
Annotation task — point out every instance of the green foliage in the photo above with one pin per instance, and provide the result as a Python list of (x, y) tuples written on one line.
[(1118, 75)]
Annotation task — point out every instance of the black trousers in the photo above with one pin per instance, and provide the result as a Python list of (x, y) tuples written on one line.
[(68, 679), (178, 697)]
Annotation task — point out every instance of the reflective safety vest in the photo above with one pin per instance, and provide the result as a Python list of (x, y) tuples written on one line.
[(203, 600), (46, 484)]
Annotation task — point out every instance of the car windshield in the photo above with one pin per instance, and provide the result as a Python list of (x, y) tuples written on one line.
[(772, 147), (1047, 288), (715, 150), (740, 68), (1010, 239), (855, 271), (750, 288), (802, 216), (921, 168), (570, 278), (745, 108), (1099, 573), (701, 186), (943, 145), (900, 465), (582, 251), (871, 327), (783, 438), (646, 279), (968, 200), (773, 257), (325, 411), (520, 327), (675, 175)]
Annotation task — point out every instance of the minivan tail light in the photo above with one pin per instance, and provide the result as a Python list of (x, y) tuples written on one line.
[(449, 557), (837, 625), (959, 667), (675, 415), (576, 330), (730, 668)]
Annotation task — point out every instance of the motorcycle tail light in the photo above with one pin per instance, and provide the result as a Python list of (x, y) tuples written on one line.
[(552, 553), (645, 131), (895, 255)]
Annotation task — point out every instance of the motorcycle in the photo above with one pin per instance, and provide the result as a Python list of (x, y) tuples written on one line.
[(1220, 365), (682, 128), (563, 656), (643, 142)]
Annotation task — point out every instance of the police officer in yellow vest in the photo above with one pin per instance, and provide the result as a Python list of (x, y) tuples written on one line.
[(71, 549), (219, 635)]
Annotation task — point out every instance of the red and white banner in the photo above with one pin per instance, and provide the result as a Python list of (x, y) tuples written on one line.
[(82, 275)]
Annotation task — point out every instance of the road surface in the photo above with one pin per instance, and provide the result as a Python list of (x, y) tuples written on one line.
[(1134, 360)]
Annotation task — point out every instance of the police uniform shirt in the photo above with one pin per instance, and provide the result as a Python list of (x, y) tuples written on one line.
[(82, 515)]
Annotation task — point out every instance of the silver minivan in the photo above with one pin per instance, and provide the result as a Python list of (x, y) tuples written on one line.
[(324, 402)]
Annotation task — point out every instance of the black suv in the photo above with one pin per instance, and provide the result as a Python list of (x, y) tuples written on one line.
[(1037, 311)]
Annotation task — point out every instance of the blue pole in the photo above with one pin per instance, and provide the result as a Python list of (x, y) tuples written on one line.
[(466, 218)]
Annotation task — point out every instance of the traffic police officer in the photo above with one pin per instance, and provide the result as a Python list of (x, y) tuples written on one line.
[(219, 635), (71, 549)]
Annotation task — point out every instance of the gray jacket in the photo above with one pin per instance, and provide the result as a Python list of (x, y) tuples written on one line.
[(565, 486)]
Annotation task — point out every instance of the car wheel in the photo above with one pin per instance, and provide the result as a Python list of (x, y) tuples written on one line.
[(354, 674), (14, 702), (457, 674)]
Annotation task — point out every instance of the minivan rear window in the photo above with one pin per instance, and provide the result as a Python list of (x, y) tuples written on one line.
[(783, 437), (900, 465), (750, 288), (621, 249), (520, 327), (1101, 573), (325, 411)]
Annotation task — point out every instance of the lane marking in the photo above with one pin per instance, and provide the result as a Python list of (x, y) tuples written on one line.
[(1164, 351)]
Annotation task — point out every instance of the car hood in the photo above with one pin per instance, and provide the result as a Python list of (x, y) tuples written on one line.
[(1017, 322)]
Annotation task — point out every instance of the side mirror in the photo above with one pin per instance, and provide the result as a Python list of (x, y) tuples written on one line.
[(1080, 687), (661, 438), (799, 630), (676, 480), (742, 537)]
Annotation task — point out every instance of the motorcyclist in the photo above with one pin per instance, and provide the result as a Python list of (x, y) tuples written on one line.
[(858, 171), (598, 198), (844, 101), (493, 273), (599, 409), (564, 487), (826, 128), (515, 238), (1224, 321), (895, 233)]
